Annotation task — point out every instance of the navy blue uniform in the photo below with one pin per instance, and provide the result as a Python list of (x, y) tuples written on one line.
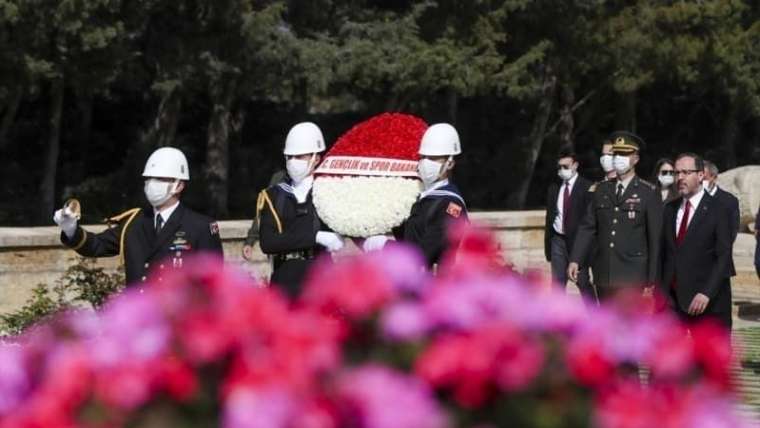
[(133, 237), (287, 232), (427, 225)]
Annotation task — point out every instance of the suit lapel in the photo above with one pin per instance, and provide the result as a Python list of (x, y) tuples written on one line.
[(167, 232), (670, 220), (631, 188), (701, 212), (148, 228)]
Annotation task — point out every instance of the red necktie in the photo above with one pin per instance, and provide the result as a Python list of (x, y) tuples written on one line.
[(565, 206), (684, 224)]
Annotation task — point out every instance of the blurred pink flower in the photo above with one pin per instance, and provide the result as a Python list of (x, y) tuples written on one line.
[(15, 383), (405, 321), (374, 396)]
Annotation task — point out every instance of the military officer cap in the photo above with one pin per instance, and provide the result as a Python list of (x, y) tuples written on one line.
[(625, 143)]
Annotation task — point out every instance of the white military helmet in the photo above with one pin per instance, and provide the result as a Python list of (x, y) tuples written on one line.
[(304, 138), (440, 139), (167, 162)]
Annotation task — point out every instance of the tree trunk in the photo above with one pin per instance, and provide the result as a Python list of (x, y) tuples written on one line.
[(452, 103), (567, 122), (536, 138), (729, 134), (50, 168), (167, 118), (9, 115), (217, 149)]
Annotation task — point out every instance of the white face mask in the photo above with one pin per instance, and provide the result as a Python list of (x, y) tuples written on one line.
[(565, 174), (157, 192), (298, 169), (606, 162), (429, 171), (622, 164), (666, 180)]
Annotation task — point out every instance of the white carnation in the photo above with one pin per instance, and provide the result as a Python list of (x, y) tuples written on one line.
[(360, 207)]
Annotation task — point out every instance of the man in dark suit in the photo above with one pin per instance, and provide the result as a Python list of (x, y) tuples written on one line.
[(729, 201), (624, 219), (156, 238), (566, 204), (696, 243)]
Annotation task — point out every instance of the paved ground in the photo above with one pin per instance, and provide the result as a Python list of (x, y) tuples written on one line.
[(746, 333)]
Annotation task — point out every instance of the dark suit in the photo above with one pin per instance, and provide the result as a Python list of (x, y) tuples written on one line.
[(700, 264), (627, 234), (731, 204), (134, 237), (557, 247)]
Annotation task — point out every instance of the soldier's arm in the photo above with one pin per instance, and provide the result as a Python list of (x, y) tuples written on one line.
[(103, 244), (209, 240), (253, 233), (586, 232), (436, 237), (654, 236), (275, 238)]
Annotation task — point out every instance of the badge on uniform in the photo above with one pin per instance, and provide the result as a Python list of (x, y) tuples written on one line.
[(454, 210), (214, 228), (632, 215)]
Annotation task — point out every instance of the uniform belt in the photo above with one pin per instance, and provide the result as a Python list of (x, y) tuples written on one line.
[(295, 255)]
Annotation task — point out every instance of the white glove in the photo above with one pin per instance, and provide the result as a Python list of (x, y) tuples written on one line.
[(374, 243), (330, 240), (66, 221)]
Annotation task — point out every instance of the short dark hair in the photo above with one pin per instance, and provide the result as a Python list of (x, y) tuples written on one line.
[(699, 163), (710, 166), (658, 165), (567, 152), (606, 142)]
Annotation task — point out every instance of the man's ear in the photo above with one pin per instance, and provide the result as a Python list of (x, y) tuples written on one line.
[(179, 187)]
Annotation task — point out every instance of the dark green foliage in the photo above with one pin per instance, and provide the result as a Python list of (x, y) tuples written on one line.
[(81, 284)]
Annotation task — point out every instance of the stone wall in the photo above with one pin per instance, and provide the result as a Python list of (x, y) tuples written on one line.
[(29, 256)]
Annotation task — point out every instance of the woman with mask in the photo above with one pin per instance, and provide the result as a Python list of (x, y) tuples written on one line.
[(155, 239), (290, 230), (440, 202), (664, 180)]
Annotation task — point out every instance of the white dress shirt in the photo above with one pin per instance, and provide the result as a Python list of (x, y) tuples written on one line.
[(625, 183), (301, 190), (437, 185), (165, 214), (694, 201), (559, 219)]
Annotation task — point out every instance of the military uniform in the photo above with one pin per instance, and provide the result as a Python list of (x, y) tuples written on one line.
[(287, 232), (427, 225), (626, 231), (134, 238)]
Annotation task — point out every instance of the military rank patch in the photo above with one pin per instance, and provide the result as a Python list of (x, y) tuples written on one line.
[(214, 228), (454, 210)]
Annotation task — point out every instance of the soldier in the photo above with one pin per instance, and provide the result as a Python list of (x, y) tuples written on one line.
[(160, 235), (440, 202), (625, 218), (289, 229), (252, 237)]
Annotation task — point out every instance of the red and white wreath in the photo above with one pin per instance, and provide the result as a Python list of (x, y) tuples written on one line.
[(367, 183)]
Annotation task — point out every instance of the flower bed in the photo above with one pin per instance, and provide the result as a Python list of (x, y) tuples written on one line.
[(374, 343)]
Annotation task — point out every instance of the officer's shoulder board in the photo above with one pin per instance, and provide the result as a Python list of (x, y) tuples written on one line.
[(647, 184), (264, 200), (592, 188), (126, 217)]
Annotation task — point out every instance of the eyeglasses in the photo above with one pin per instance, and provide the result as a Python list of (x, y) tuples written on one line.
[(560, 166), (680, 172), (668, 172)]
